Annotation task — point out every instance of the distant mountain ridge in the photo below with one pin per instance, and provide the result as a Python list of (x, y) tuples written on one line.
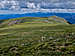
[(33, 20), (70, 17)]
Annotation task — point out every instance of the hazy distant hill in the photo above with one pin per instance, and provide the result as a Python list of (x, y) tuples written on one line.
[(55, 19), (50, 20)]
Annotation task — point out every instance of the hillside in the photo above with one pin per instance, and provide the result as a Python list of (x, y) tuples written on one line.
[(34, 20), (30, 37), (55, 19)]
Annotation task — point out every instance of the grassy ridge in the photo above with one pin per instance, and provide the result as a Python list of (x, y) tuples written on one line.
[(37, 39), (33, 20)]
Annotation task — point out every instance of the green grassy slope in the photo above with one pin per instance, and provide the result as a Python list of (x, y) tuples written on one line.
[(55, 19), (37, 39), (50, 20)]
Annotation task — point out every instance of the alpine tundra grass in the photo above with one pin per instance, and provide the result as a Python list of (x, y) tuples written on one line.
[(36, 39)]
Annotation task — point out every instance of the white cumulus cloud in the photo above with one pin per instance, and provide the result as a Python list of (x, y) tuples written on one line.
[(9, 4), (1, 5), (31, 5)]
